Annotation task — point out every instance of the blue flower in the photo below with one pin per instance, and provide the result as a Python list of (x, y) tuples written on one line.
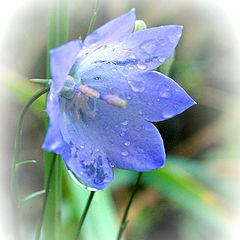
[(93, 80)]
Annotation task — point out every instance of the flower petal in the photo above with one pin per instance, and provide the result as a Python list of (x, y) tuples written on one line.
[(83, 152), (113, 31), (61, 61), (157, 97), (131, 143), (91, 168), (142, 51), (94, 128), (151, 95)]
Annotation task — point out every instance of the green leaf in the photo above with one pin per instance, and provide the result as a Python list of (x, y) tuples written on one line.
[(181, 188)]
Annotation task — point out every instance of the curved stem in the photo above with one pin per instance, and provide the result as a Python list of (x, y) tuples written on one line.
[(17, 144), (40, 223), (123, 224), (84, 214)]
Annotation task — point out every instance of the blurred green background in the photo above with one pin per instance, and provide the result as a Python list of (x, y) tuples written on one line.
[(196, 196)]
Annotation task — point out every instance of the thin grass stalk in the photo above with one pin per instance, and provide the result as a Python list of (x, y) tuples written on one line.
[(16, 158), (123, 224), (57, 35)]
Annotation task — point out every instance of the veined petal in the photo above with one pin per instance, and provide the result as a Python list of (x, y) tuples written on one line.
[(89, 166), (61, 60), (157, 97), (113, 31), (130, 143), (83, 151), (142, 51), (151, 95), (94, 128)]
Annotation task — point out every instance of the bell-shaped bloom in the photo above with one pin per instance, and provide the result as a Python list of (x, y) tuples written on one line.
[(104, 96)]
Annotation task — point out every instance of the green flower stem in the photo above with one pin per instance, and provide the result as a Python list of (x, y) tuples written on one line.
[(123, 224), (84, 214), (57, 35), (40, 223), (15, 162)]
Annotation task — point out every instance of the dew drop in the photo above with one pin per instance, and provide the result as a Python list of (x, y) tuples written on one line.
[(122, 134), (125, 123), (114, 69), (165, 91), (148, 46), (177, 90), (82, 147), (130, 67), (124, 153), (127, 143), (137, 86), (161, 59), (141, 66), (132, 56), (168, 112)]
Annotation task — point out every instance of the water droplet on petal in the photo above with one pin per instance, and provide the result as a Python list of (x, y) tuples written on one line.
[(168, 112), (161, 59), (114, 69), (132, 56), (124, 153), (137, 86), (165, 91), (122, 134), (82, 146), (127, 143), (130, 67), (140, 112), (177, 90), (141, 66), (125, 123), (148, 46)]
